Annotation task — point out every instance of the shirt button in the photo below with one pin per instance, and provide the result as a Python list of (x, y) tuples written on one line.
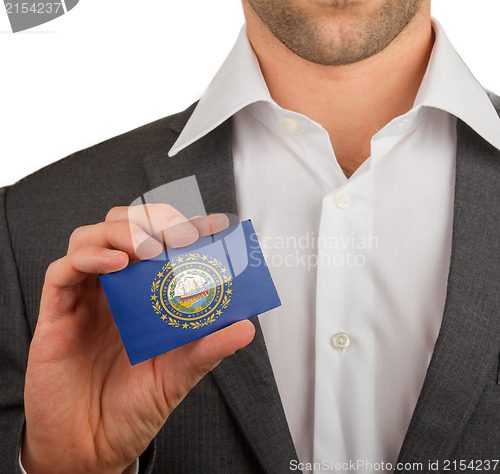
[(341, 200), (340, 341), (289, 125)]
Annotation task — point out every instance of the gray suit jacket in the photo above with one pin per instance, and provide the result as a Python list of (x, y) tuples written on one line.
[(233, 420)]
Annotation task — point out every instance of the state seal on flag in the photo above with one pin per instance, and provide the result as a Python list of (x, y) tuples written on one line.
[(191, 291)]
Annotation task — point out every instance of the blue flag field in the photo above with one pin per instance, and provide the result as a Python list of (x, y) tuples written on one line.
[(187, 293)]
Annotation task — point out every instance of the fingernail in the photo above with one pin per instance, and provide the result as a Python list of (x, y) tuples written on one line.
[(142, 237), (182, 226), (111, 253)]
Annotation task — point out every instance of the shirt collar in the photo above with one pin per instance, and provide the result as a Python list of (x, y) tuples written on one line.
[(238, 83), (447, 85), (450, 86)]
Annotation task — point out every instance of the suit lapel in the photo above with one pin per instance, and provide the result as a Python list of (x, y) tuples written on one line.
[(246, 379), (248, 385), (466, 345), (209, 159)]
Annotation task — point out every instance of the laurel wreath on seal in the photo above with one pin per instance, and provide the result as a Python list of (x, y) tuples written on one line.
[(171, 321)]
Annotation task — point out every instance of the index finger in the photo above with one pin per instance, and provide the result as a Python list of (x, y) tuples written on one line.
[(162, 221), (167, 224)]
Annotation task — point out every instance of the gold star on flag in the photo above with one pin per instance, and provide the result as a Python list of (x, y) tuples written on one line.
[(223, 270), (229, 292), (163, 317), (219, 312), (153, 297), (204, 257), (179, 259), (160, 274), (185, 326)]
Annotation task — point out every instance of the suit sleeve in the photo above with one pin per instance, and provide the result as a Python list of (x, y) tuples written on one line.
[(15, 338)]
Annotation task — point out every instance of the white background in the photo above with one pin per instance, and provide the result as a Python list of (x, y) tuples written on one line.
[(109, 66)]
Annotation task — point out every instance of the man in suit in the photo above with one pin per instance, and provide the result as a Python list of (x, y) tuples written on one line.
[(342, 112)]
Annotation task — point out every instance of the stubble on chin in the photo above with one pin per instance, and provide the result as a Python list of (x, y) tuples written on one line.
[(346, 33)]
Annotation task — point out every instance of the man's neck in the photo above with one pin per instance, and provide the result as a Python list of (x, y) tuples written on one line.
[(351, 102)]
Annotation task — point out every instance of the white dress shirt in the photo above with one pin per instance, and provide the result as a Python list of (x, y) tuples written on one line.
[(360, 264)]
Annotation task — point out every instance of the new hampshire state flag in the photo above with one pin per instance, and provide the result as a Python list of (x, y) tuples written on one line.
[(187, 293)]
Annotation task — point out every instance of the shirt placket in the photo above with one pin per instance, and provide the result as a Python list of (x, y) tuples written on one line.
[(344, 299)]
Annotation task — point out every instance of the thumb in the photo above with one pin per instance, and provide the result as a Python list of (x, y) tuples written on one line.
[(210, 350), (182, 368)]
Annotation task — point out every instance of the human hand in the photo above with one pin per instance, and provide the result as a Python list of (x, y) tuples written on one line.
[(87, 409)]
